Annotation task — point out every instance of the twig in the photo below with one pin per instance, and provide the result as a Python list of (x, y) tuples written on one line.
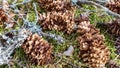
[(101, 1), (71, 64), (116, 57), (58, 38), (59, 61), (79, 2), (60, 55), (24, 2), (36, 13)]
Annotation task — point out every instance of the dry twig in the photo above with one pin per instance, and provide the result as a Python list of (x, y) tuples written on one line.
[(79, 2)]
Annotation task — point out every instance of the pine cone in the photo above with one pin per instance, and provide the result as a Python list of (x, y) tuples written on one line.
[(84, 26), (112, 64), (117, 45), (61, 21), (114, 27), (3, 17), (114, 5), (92, 47), (38, 50), (55, 5)]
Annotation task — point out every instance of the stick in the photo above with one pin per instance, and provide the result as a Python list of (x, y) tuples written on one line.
[(79, 2)]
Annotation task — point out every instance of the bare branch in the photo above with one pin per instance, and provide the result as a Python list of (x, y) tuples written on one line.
[(36, 12), (79, 2)]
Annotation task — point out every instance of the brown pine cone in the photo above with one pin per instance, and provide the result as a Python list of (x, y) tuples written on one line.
[(55, 5), (61, 21), (114, 5), (5, 19), (114, 27), (3, 16), (84, 26), (112, 64), (38, 50), (92, 47)]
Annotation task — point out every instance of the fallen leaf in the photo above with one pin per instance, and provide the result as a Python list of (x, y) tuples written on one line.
[(69, 52)]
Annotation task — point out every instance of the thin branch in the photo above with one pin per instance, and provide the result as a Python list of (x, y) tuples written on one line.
[(58, 38), (79, 2), (101, 1), (23, 2), (35, 7), (68, 62)]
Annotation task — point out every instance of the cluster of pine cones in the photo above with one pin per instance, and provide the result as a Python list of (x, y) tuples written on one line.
[(114, 5), (59, 15), (92, 47)]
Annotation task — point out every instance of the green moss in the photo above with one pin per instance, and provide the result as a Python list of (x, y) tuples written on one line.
[(95, 16), (19, 54), (3, 66), (31, 16)]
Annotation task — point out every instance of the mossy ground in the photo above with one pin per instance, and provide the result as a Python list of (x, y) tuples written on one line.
[(96, 15)]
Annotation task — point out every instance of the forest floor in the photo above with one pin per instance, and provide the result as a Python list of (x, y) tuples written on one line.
[(73, 61)]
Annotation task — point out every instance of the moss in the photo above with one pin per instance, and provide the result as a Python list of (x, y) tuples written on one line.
[(3, 66), (95, 16), (31, 16)]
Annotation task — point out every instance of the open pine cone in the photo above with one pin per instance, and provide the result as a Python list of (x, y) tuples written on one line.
[(114, 5), (38, 50), (84, 26), (59, 15), (55, 5), (117, 45), (114, 27), (92, 47), (112, 64), (61, 21)]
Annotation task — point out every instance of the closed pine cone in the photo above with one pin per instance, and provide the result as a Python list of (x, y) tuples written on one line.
[(114, 27), (38, 50), (114, 5), (92, 47), (55, 5), (112, 64), (61, 21)]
